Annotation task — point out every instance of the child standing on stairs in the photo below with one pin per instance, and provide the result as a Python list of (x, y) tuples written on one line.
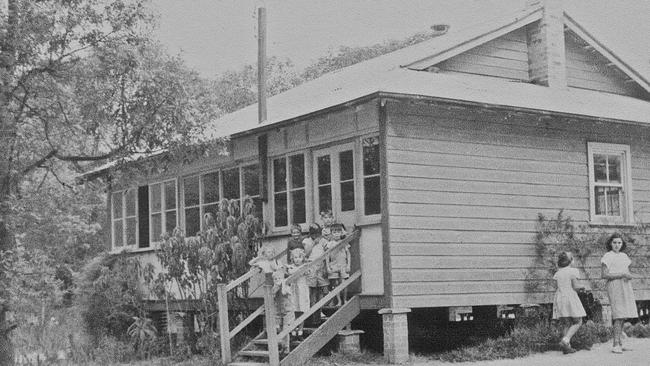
[(299, 288), (265, 260), (338, 263), (284, 308)]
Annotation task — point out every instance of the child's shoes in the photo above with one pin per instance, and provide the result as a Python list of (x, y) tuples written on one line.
[(566, 347), (617, 349)]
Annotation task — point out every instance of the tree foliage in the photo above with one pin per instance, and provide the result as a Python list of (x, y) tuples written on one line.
[(192, 267), (81, 81)]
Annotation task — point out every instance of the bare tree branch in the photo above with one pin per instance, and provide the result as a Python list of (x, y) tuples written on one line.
[(39, 163)]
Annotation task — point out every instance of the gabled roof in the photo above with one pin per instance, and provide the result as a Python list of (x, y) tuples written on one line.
[(397, 73)]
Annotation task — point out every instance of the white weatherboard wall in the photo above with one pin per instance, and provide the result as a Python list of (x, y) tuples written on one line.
[(587, 69), (505, 57), (465, 188)]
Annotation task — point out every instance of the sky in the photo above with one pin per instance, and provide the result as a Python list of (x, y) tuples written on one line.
[(218, 35)]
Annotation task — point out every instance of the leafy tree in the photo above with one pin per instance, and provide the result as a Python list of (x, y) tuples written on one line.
[(346, 56), (111, 294), (238, 89), (81, 81)]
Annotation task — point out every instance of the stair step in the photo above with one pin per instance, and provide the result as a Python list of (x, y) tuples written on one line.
[(254, 353), (262, 341)]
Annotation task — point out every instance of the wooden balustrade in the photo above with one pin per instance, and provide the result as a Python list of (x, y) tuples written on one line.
[(269, 307)]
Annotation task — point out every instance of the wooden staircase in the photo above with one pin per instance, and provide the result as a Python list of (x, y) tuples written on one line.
[(257, 351), (263, 349)]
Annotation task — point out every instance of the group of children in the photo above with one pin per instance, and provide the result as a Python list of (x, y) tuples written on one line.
[(327, 273), (615, 269)]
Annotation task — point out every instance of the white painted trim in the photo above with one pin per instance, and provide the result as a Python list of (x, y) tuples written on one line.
[(123, 194), (163, 207), (626, 177), (474, 42), (607, 53)]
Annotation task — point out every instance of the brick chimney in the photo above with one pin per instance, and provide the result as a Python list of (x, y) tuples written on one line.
[(546, 52)]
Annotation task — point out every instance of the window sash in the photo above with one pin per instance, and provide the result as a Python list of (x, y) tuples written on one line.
[(204, 206), (160, 218), (289, 190), (122, 220), (603, 207)]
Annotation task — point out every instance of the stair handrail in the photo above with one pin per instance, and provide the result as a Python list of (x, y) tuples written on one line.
[(316, 262), (225, 334), (317, 306)]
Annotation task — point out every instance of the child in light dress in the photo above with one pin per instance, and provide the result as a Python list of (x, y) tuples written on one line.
[(284, 307), (615, 269), (338, 263), (266, 261), (299, 289), (567, 305)]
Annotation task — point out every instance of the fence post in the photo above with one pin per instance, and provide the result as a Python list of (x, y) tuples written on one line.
[(269, 314), (224, 326)]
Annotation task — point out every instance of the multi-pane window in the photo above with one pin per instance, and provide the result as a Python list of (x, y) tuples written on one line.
[(162, 209), (250, 176), (124, 218), (202, 193), (289, 190), (346, 180), (609, 183), (191, 200), (371, 191)]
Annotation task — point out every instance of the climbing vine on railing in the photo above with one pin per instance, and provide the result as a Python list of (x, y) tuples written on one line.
[(587, 243)]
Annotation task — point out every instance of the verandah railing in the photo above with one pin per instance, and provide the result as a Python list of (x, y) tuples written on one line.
[(268, 308)]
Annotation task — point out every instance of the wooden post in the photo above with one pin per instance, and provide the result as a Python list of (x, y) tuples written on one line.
[(269, 314), (224, 327), (261, 64)]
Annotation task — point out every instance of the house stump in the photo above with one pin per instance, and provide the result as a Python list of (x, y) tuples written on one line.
[(396, 340), (349, 341)]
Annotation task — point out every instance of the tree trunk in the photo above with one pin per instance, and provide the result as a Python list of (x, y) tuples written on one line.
[(7, 140)]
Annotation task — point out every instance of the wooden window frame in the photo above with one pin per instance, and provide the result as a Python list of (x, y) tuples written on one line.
[(627, 214), (163, 208), (362, 218), (310, 184), (288, 190), (123, 195), (201, 205)]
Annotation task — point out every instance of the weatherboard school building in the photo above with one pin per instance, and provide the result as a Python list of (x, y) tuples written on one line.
[(444, 152)]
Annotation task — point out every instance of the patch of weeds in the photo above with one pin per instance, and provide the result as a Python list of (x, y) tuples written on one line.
[(637, 330)]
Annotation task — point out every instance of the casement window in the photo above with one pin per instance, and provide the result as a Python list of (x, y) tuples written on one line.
[(371, 191), (124, 211), (610, 182), (202, 193), (250, 177), (289, 204), (162, 209)]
